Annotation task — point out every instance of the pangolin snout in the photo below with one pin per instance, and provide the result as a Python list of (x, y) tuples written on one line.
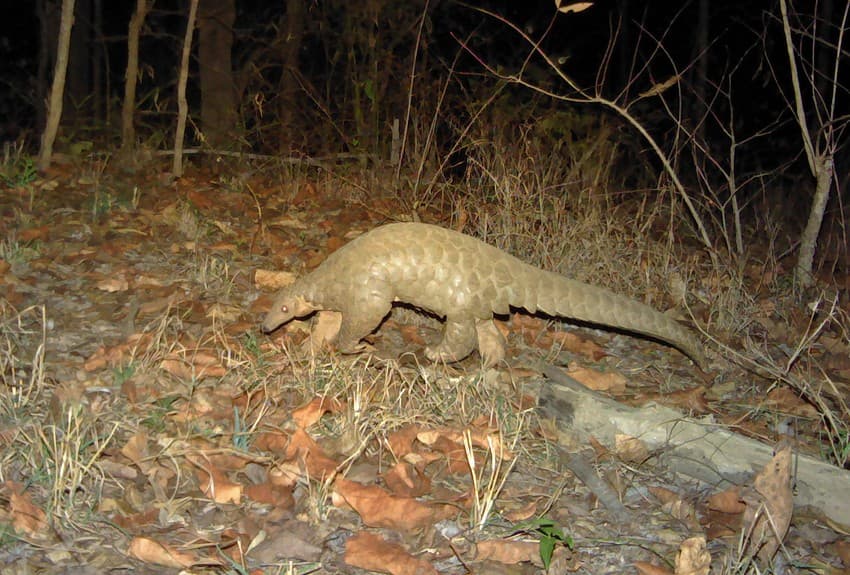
[(269, 323)]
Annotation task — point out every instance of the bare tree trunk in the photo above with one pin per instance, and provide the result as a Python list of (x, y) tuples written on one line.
[(821, 161), (824, 169), (182, 106), (128, 127), (218, 97), (54, 105), (48, 19)]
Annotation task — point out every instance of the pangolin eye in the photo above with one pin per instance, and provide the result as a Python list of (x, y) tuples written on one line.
[(284, 308)]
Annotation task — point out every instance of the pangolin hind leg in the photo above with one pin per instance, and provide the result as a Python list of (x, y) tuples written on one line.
[(458, 341), (491, 342), (359, 321)]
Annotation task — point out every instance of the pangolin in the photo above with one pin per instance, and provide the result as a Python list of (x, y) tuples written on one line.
[(459, 278)]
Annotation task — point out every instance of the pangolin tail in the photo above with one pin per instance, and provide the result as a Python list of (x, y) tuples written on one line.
[(559, 296)]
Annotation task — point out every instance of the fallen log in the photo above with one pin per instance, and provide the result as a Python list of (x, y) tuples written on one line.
[(698, 448)]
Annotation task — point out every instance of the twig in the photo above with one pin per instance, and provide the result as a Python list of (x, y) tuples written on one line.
[(260, 228), (584, 97)]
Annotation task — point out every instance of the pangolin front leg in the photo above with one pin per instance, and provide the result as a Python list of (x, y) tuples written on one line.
[(491, 342), (458, 341), (325, 331), (359, 321)]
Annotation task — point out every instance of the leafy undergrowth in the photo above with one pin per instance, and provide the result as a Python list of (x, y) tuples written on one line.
[(147, 425)]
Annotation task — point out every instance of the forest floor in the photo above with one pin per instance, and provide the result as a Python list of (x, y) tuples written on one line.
[(148, 426)]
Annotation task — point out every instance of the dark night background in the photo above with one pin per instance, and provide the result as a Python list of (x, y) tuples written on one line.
[(742, 35)]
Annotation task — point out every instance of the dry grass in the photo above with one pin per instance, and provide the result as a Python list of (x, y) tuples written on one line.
[(559, 212), (52, 440), (384, 396), (801, 371), (22, 340)]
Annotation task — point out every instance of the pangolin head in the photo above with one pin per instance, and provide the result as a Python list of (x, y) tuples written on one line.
[(286, 307)]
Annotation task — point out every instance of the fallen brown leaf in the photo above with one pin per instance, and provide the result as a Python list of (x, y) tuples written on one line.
[(27, 517), (401, 441), (307, 415), (275, 441), (136, 450), (379, 508), (117, 470), (578, 345), (233, 544), (135, 521), (370, 551), (288, 540), (306, 192), (610, 381), (519, 514), (113, 284), (160, 305), (630, 449), (309, 455), (192, 364), (717, 524), (480, 435), (224, 313), (663, 494), (117, 354), (601, 451), (271, 494), (217, 486), (727, 501), (449, 443), (405, 479), (503, 328), (786, 400), (41, 233), (675, 506), (224, 246), (334, 243), (315, 259), (151, 551), (527, 323), (691, 400), (508, 552), (769, 506), (201, 199), (574, 7), (693, 557), (645, 568)]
